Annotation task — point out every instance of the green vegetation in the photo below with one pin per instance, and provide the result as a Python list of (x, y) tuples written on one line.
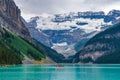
[(110, 58), (8, 56), (108, 42), (12, 48), (112, 45)]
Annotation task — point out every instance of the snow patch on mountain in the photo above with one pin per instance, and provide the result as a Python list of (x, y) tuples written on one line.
[(48, 24), (64, 49), (60, 44), (63, 31)]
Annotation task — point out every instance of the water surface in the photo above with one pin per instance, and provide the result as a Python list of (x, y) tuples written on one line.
[(54, 72)]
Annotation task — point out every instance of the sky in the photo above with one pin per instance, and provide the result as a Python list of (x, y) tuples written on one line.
[(31, 8)]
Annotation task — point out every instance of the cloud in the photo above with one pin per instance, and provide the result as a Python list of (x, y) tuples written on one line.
[(36, 7)]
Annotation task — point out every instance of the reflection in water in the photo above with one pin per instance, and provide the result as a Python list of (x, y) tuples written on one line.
[(68, 72)]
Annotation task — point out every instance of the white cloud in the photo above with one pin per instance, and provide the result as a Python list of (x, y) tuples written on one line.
[(36, 7)]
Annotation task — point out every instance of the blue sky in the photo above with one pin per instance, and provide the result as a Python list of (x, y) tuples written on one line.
[(31, 8)]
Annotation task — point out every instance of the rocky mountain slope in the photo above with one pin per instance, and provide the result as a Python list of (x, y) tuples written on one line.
[(13, 48), (52, 54), (66, 33), (102, 48), (10, 17), (16, 43)]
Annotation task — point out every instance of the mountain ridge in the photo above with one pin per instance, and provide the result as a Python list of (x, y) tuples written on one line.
[(70, 29), (102, 48), (16, 40), (10, 17)]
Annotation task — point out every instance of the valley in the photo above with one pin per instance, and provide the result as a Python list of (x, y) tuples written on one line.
[(67, 33), (74, 37)]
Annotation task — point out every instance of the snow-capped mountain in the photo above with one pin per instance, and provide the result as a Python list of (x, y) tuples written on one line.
[(64, 32)]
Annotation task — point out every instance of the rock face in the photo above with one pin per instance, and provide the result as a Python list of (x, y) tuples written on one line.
[(10, 17)]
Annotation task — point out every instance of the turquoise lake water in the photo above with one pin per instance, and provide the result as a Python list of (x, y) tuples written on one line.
[(53, 72)]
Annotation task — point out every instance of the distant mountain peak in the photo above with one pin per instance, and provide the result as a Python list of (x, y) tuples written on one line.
[(114, 13)]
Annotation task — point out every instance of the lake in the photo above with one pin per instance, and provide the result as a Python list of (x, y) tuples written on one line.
[(60, 72)]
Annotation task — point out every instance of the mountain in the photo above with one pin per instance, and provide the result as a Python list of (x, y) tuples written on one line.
[(52, 54), (113, 16), (102, 48), (67, 33), (10, 17), (16, 44), (13, 48)]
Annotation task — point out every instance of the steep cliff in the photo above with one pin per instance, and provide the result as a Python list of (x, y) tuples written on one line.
[(10, 17)]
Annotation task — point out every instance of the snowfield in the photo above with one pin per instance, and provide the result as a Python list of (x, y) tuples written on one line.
[(62, 32)]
